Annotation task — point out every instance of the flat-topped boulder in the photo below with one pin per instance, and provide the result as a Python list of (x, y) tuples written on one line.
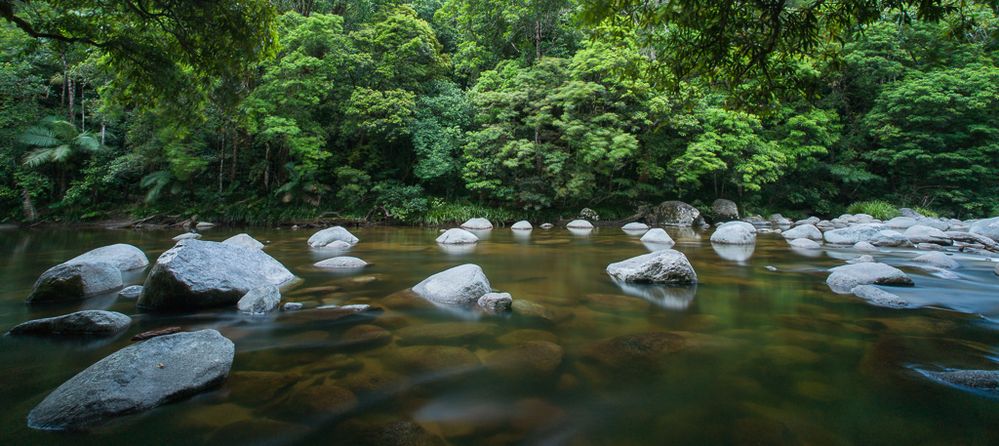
[(122, 256), (926, 234), (988, 227), (579, 224), (199, 274), (244, 240), (852, 234), (665, 266), (461, 285), (807, 230), (659, 237), (735, 233), (843, 279), (341, 262), (890, 238), (477, 224), (135, 379), (674, 213), (901, 223), (327, 236), (522, 225), (74, 281), (457, 236), (80, 323)]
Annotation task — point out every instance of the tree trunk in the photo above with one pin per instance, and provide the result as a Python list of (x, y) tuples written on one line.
[(537, 41), (83, 107), (102, 133), (71, 89), (267, 168), (65, 75), (30, 214)]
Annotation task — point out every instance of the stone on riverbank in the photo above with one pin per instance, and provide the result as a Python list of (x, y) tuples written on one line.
[(939, 260), (477, 224), (926, 234), (853, 234), (137, 378), (665, 266), (122, 256), (198, 274), (988, 227), (735, 233), (674, 213), (260, 300), (724, 210), (245, 241), (457, 236), (327, 236), (806, 231), (461, 285), (864, 246), (80, 323), (845, 278), (74, 281)]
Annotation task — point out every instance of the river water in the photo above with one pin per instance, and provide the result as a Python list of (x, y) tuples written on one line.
[(752, 355)]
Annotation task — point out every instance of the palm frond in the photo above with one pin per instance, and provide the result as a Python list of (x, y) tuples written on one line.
[(87, 142), (61, 153), (63, 130), (39, 137), (38, 157)]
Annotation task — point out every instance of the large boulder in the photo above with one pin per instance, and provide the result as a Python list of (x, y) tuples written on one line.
[(522, 225), (477, 224), (122, 256), (80, 323), (74, 281), (457, 236), (901, 223), (724, 210), (808, 231), (461, 285), (659, 237), (137, 378), (845, 278), (926, 234), (889, 238), (198, 274), (329, 235), (988, 227), (938, 260), (244, 240), (665, 266), (735, 233), (853, 234), (674, 213)]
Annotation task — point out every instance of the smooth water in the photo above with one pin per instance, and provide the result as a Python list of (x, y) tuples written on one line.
[(749, 356)]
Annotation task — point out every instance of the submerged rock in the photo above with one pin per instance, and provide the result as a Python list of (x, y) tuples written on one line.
[(939, 260), (579, 224), (461, 285), (80, 323), (735, 233), (446, 333), (665, 266), (879, 297), (197, 274), (724, 210), (434, 359), (844, 278), (496, 302), (634, 353), (477, 223), (522, 225), (326, 236), (74, 281), (659, 237), (532, 359), (674, 213), (245, 241), (260, 300), (122, 256), (342, 262), (806, 231), (804, 243), (457, 236), (137, 378)]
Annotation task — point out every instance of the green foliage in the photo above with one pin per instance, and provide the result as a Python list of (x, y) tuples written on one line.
[(443, 213), (881, 210)]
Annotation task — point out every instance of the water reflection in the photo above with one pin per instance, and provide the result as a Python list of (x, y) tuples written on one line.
[(457, 249), (807, 252), (734, 253), (668, 297), (580, 232)]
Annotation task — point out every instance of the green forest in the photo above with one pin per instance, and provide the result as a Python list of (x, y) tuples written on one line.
[(432, 111)]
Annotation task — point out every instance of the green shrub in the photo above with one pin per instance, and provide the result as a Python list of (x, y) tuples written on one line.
[(881, 210), (442, 212), (926, 212)]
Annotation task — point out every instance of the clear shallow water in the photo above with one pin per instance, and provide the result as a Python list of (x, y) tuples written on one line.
[(749, 356)]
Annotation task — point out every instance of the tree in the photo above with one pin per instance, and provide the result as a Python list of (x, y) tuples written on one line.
[(57, 142)]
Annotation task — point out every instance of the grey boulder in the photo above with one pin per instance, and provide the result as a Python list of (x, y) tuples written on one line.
[(135, 379), (329, 235), (260, 300), (522, 225), (724, 210), (939, 260), (674, 213), (890, 238), (879, 297), (244, 240), (122, 256), (853, 234), (80, 323), (864, 246), (342, 262), (496, 302), (461, 285), (658, 236), (665, 266), (579, 224), (987, 380), (845, 278), (901, 223), (477, 223), (807, 231), (130, 292), (926, 234), (804, 243), (457, 236), (187, 236), (635, 226), (198, 274), (74, 281), (988, 227), (735, 233)]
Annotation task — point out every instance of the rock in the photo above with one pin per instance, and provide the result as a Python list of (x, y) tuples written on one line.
[(187, 236), (137, 378), (522, 225), (338, 245), (864, 246), (326, 236), (724, 210), (293, 306), (658, 236), (366, 335), (988, 227), (635, 226), (968, 237), (530, 309), (665, 266), (204, 225), (890, 238), (393, 433), (260, 300), (779, 220), (879, 297), (674, 213), (155, 333), (926, 234), (996, 271), (844, 278), (589, 214), (532, 359), (808, 221), (862, 259), (130, 292), (929, 247), (496, 302), (579, 224), (80, 323), (477, 223), (434, 359), (74, 281), (939, 260), (457, 236), (901, 223), (987, 380), (735, 233), (853, 234), (446, 333), (341, 262), (804, 243), (197, 274), (806, 231), (245, 241), (634, 353), (122, 256), (907, 212), (547, 226), (461, 285), (934, 223)]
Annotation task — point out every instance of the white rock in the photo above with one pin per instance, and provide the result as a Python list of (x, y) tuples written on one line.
[(457, 236)]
